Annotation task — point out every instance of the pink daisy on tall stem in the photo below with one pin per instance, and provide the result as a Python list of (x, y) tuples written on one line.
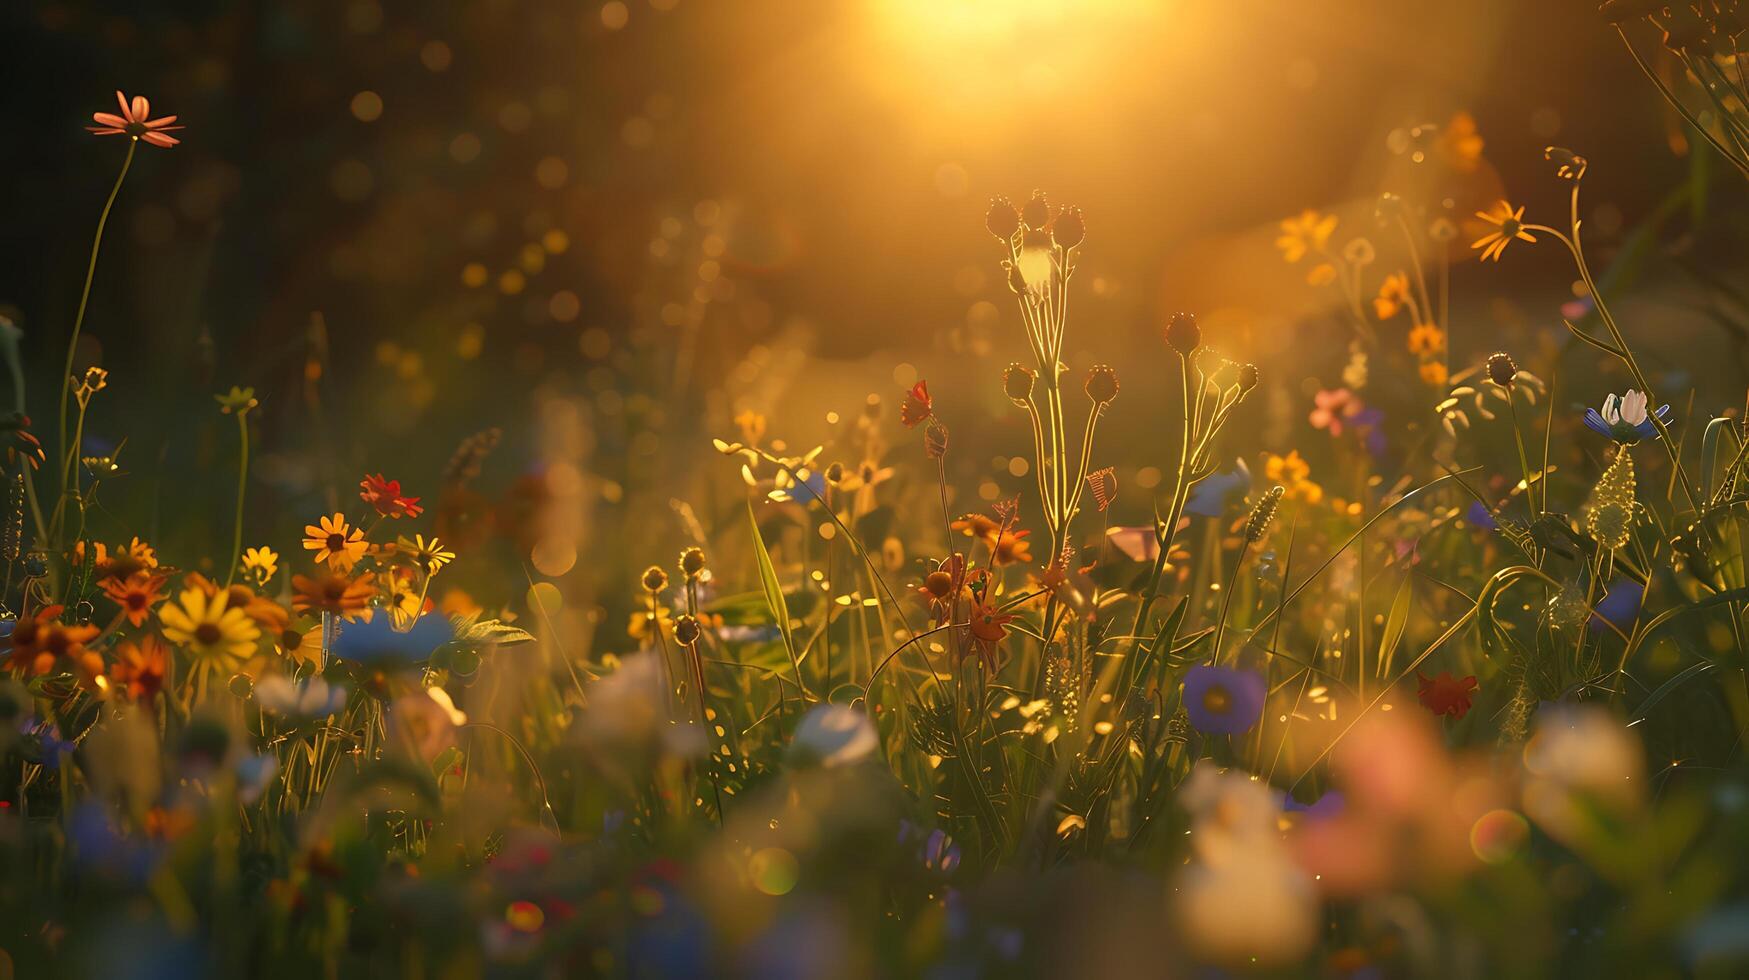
[(134, 122)]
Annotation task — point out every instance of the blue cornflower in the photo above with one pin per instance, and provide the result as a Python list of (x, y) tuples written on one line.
[(376, 640), (1624, 418), (1214, 495), (1223, 701), (1620, 605)]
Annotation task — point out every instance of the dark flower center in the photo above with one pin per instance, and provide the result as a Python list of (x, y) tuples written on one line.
[(336, 542), (208, 634), (1216, 700)]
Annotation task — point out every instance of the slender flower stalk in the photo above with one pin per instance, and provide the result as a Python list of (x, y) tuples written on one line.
[(69, 453)]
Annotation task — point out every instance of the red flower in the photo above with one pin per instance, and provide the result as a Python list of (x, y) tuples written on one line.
[(918, 406), (1445, 695), (385, 496), (133, 122)]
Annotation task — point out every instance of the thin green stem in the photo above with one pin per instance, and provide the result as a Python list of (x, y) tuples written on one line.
[(72, 452)]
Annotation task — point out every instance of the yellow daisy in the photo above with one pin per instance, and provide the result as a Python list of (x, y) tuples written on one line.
[(1509, 225), (210, 628), (260, 564), (335, 543), (428, 554)]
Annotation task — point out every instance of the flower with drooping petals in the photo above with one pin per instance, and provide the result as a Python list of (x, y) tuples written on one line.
[(134, 122), (385, 496)]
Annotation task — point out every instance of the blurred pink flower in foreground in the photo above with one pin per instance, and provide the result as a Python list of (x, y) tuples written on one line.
[(133, 122)]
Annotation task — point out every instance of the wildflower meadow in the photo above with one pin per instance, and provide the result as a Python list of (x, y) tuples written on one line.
[(651, 489)]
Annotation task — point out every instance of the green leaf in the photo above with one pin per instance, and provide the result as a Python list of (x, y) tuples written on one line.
[(492, 631), (772, 588), (1395, 623)]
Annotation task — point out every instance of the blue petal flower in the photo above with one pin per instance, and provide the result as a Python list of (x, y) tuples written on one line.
[(1213, 496), (1223, 701), (1480, 516), (377, 640), (1620, 605)]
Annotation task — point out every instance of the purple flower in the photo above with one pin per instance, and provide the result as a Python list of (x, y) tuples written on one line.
[(1619, 606), (1326, 806), (1223, 701), (1480, 516)]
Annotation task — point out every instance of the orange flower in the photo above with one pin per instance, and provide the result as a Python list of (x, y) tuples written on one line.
[(1508, 224), (334, 542), (332, 593), (1393, 293), (1461, 143), (136, 596), (40, 641), (134, 122), (385, 496), (989, 626), (1434, 373), (138, 671), (1426, 339)]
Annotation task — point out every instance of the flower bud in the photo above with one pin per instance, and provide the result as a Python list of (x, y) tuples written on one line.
[(655, 579), (1502, 370), (1247, 377), (1037, 212), (1568, 165), (692, 562), (1017, 381), (1182, 333), (1101, 384), (1002, 220), (1069, 229), (686, 630), (939, 584)]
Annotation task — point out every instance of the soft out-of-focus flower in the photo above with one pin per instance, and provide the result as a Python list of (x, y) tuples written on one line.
[(1508, 225), (1433, 373), (1625, 418), (260, 564), (1332, 407), (833, 735), (1426, 340), (1242, 901), (135, 122), (1309, 232), (1619, 606), (1292, 472), (424, 722), (1222, 700), (138, 670), (335, 542), (314, 698), (379, 639), (1393, 295), (1460, 143), (332, 593), (209, 628), (1443, 694), (1216, 494), (629, 709), (1580, 757)]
